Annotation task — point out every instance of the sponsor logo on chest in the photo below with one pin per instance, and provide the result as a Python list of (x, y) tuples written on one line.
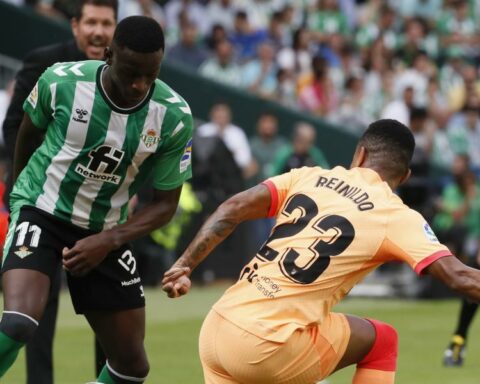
[(104, 161)]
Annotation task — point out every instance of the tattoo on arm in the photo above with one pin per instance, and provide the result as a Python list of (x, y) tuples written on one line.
[(207, 239), (224, 227), (251, 204)]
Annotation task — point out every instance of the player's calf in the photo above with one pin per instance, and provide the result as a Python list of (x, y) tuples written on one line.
[(16, 329), (380, 364)]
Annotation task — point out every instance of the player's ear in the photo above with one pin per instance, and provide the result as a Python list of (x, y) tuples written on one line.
[(74, 26), (359, 157), (405, 177)]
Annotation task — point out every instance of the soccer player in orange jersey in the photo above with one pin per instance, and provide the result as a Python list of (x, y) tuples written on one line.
[(333, 227)]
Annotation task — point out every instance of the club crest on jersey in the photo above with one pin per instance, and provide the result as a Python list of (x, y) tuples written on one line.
[(186, 157), (23, 252), (150, 138), (429, 233), (33, 96), (81, 113)]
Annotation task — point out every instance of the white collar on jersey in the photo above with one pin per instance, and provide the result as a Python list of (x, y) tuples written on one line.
[(111, 101)]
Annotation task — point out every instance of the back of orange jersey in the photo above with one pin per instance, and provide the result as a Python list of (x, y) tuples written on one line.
[(332, 228)]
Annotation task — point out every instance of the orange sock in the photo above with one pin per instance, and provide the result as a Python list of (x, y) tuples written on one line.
[(373, 376)]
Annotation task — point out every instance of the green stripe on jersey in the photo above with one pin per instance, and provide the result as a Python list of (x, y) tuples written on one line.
[(71, 149), (90, 190), (141, 149), (131, 139), (95, 130)]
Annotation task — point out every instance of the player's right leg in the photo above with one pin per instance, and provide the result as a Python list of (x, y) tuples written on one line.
[(39, 350), (25, 293), (213, 371), (28, 262), (373, 347)]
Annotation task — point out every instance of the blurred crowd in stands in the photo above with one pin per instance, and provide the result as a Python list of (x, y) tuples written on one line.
[(349, 62)]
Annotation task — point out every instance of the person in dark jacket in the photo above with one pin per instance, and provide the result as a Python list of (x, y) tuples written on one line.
[(92, 27), (301, 153)]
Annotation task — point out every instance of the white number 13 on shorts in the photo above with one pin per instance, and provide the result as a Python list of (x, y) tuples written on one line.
[(128, 262)]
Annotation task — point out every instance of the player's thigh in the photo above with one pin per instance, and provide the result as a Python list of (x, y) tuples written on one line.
[(212, 364), (113, 286), (25, 291), (31, 260), (121, 333), (362, 338), (230, 354)]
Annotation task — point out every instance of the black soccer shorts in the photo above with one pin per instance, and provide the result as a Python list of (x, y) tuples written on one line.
[(37, 240)]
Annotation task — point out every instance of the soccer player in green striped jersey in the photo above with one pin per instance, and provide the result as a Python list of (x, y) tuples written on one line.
[(108, 126)]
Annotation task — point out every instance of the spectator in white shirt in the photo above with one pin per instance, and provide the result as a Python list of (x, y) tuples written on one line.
[(234, 137), (399, 109), (220, 12)]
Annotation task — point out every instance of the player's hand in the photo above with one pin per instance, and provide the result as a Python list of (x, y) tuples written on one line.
[(86, 254), (176, 282)]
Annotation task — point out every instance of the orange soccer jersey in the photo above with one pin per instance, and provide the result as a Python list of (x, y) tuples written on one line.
[(332, 228)]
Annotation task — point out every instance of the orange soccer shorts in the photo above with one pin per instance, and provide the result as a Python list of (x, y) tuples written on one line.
[(231, 355)]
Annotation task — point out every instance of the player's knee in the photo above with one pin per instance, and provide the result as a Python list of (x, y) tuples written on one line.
[(18, 326), (383, 355)]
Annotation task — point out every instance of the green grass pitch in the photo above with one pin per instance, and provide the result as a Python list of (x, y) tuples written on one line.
[(424, 328)]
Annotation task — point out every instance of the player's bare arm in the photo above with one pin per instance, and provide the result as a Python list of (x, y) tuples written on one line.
[(251, 204), (27, 134), (90, 251), (457, 276)]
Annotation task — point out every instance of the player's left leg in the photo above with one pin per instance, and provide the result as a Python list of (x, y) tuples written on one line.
[(373, 347), (121, 335), (100, 359), (111, 298)]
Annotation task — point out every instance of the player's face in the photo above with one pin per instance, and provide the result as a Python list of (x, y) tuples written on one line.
[(94, 30), (133, 73)]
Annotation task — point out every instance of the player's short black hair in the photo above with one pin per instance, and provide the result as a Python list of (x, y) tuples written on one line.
[(98, 3), (140, 34), (389, 145)]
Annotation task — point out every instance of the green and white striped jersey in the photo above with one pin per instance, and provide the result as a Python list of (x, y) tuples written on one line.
[(96, 155)]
